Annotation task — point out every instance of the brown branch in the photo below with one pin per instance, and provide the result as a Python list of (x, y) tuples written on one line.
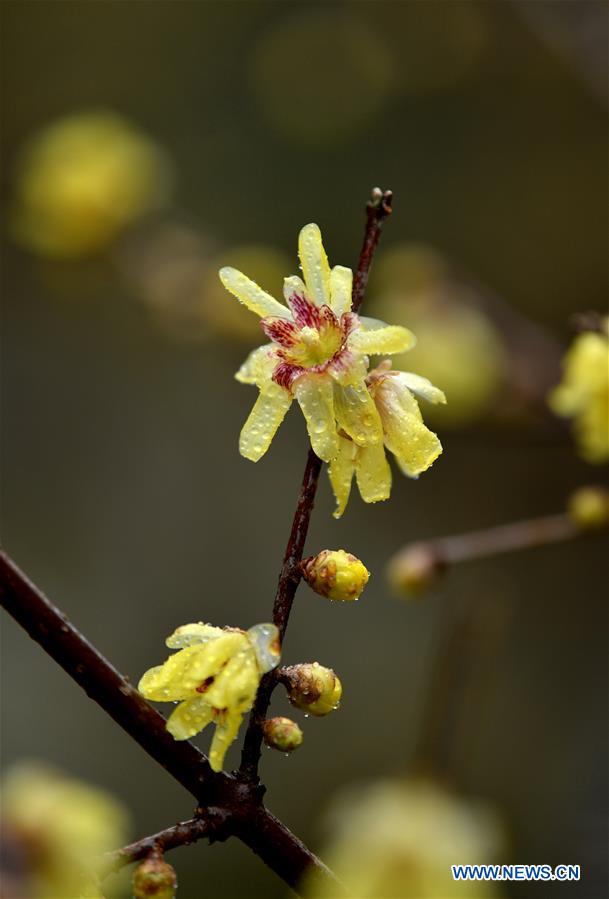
[(228, 806), (59, 638), (182, 834), (419, 564), (377, 210)]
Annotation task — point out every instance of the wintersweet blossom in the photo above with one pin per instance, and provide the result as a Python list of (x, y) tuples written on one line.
[(405, 435), (583, 394), (57, 827), (399, 838), (318, 355), (82, 180), (214, 677)]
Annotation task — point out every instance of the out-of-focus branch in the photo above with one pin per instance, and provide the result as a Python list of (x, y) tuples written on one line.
[(377, 210), (418, 565)]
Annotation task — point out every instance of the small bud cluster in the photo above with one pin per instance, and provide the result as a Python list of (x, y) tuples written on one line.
[(154, 878), (282, 734), (312, 688), (335, 574)]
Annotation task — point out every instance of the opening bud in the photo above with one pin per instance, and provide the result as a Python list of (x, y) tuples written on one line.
[(312, 688), (415, 569), (282, 734), (336, 574), (154, 878), (589, 507)]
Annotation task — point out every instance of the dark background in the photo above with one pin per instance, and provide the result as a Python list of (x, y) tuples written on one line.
[(124, 495)]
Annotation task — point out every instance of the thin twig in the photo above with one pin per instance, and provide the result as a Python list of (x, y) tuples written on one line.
[(418, 565), (182, 834), (377, 210)]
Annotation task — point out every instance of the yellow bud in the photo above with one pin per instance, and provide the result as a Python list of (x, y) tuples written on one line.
[(282, 734), (415, 569), (589, 507), (312, 688), (154, 878), (336, 574)]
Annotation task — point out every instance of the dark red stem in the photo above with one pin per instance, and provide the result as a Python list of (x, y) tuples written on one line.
[(377, 210)]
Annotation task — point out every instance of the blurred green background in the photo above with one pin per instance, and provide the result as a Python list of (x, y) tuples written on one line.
[(124, 495)]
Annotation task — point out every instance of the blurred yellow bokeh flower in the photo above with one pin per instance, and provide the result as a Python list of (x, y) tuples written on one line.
[(458, 346), (62, 827), (80, 181), (583, 394), (399, 839), (318, 355), (214, 677)]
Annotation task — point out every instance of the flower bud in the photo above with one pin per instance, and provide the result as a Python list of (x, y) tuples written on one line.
[(589, 507), (312, 688), (154, 878), (336, 574), (415, 569), (282, 734)]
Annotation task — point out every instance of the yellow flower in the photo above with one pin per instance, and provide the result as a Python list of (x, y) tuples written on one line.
[(589, 507), (399, 839), (214, 677), (62, 826), (414, 446), (82, 180), (317, 355), (336, 574), (583, 394)]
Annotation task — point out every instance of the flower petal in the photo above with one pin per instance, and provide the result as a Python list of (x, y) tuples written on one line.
[(227, 728), (341, 287), (373, 474), (189, 718), (422, 387), (237, 683), (314, 264), (293, 285), (253, 297), (280, 330), (261, 426), (267, 648), (414, 445), (180, 675), (259, 366), (315, 395), (348, 368), (340, 472), (191, 634), (357, 415), (382, 339)]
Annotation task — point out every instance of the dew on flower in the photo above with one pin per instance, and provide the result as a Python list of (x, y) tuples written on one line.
[(213, 678)]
